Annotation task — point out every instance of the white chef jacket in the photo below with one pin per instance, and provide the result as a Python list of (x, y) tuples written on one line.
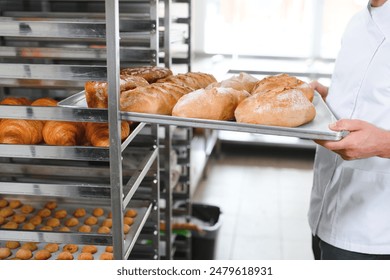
[(350, 200)]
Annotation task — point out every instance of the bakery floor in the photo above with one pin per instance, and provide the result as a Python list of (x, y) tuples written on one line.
[(263, 193)]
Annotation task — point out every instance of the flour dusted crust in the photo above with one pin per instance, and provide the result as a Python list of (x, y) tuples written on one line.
[(149, 73), (214, 103), (243, 81), (282, 82), (289, 108), (194, 80)]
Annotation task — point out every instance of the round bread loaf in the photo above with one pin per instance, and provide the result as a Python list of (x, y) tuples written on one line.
[(289, 108)]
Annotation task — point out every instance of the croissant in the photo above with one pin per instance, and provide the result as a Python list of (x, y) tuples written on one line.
[(98, 133), (96, 93), (27, 132)]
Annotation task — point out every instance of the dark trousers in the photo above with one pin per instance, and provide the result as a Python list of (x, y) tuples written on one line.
[(325, 251)]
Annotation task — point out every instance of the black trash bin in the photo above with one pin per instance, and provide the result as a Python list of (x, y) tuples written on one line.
[(203, 243)]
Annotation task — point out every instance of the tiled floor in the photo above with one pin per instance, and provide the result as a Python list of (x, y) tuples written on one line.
[(263, 193)]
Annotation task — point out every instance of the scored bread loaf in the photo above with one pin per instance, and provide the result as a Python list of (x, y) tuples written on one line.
[(96, 93), (195, 80), (214, 103), (282, 82), (98, 135), (149, 73), (157, 98), (289, 108), (15, 131), (243, 81)]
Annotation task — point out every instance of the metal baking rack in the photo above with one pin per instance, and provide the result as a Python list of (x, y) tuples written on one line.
[(47, 50)]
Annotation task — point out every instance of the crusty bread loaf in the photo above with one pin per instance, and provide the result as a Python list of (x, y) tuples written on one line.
[(97, 134), (214, 103), (243, 81), (149, 73), (289, 108), (96, 93), (195, 80), (279, 83), (157, 98)]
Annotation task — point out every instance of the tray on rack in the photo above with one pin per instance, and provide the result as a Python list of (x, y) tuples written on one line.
[(316, 129)]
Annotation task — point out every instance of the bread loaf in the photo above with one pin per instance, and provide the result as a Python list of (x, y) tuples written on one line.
[(282, 82), (243, 81), (97, 134), (289, 108), (96, 93), (195, 80), (157, 98), (214, 103), (149, 73)]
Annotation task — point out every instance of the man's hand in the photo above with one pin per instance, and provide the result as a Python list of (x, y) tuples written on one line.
[(320, 88), (363, 141)]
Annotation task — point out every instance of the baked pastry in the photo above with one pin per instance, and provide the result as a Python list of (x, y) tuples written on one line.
[(85, 256), (44, 212), (194, 80), (60, 133), (18, 218), (106, 256), (12, 244), (14, 204), (27, 209), (46, 228), (158, 98), (128, 221), (289, 108), (28, 226), (36, 220), (53, 222), (2, 220), (97, 212), (126, 229), (42, 255), (90, 221), (60, 214), (52, 247), (71, 248), (104, 229), (64, 229), (45, 102), (15, 101), (92, 249), (79, 212), (10, 225), (5, 253), (23, 254), (107, 222), (31, 246), (109, 249), (241, 82), (85, 228), (6, 212), (71, 222), (51, 205), (282, 82), (98, 133), (15, 131), (149, 73), (3, 203), (65, 256), (132, 213), (96, 93), (214, 104)]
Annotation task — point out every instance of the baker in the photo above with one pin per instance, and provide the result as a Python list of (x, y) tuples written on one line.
[(349, 210)]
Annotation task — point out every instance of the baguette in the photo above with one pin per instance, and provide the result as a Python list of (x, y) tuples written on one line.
[(289, 108), (214, 103)]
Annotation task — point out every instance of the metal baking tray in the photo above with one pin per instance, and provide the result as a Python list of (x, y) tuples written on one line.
[(316, 129)]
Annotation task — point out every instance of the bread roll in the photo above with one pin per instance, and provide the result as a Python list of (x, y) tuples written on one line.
[(157, 98), (214, 104), (289, 108), (96, 93), (282, 82), (149, 73), (98, 133), (195, 80), (243, 81)]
